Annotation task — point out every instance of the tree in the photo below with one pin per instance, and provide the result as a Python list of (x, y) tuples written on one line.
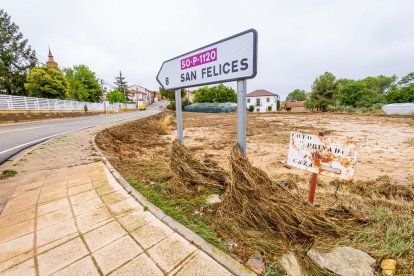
[(296, 95), (16, 57), (323, 89), (46, 82), (403, 95), (380, 84), (407, 80), (170, 94), (116, 96), (83, 84), (215, 94), (121, 84)]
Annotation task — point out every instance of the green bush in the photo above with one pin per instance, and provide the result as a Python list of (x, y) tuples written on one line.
[(269, 108), (251, 108)]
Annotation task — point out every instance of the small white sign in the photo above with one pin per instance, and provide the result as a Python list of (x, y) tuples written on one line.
[(230, 59), (322, 155)]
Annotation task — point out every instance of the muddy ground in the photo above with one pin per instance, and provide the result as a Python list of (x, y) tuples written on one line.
[(386, 144), (383, 186)]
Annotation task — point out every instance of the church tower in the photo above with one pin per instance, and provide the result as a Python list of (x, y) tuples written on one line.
[(50, 61)]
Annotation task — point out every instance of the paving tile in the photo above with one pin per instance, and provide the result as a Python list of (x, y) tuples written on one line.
[(16, 231), (54, 188), (25, 268), (14, 206), (103, 235), (54, 218), (114, 197), (16, 247), (81, 188), (116, 253), (136, 219), (121, 207), (92, 220), (9, 220), (87, 206), (151, 233), (202, 265), (16, 260), (142, 265), (26, 194), (61, 256), (83, 267), (22, 189), (56, 232), (52, 206), (56, 243), (85, 196), (73, 182), (106, 190), (52, 196), (98, 183), (171, 251)]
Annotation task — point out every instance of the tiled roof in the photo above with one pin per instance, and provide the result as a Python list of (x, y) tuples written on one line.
[(260, 92), (293, 104)]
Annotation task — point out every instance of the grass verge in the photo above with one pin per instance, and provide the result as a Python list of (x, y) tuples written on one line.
[(188, 211)]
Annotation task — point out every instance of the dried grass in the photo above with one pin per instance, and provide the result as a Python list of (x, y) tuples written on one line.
[(166, 123), (383, 186), (190, 176), (253, 201)]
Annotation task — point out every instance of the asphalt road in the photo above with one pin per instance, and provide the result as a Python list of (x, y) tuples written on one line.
[(15, 138)]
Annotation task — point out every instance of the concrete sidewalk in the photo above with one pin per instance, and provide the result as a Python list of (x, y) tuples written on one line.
[(65, 214)]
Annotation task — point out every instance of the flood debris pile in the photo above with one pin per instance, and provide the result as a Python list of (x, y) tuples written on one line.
[(190, 176), (383, 186), (252, 201)]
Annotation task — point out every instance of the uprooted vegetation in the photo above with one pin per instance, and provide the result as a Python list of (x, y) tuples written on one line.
[(260, 215)]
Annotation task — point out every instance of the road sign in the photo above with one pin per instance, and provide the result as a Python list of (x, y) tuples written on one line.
[(323, 155), (233, 58)]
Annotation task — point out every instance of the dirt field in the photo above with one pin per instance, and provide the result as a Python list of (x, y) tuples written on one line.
[(386, 144), (382, 193)]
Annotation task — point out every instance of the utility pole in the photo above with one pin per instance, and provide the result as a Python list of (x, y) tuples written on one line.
[(103, 95)]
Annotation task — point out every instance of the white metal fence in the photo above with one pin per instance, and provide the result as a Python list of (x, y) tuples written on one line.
[(9, 102)]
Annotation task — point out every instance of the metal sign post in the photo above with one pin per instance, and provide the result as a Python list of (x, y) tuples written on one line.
[(241, 115), (179, 116), (231, 59)]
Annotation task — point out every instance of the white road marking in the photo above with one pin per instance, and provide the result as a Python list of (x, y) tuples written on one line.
[(21, 129)]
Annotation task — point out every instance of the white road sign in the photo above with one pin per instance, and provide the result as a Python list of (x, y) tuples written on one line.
[(230, 59), (323, 155)]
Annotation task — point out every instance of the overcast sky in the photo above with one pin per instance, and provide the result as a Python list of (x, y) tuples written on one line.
[(298, 40)]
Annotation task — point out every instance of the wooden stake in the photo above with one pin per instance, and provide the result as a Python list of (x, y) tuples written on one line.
[(313, 182)]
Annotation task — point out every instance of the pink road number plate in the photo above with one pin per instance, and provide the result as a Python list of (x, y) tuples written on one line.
[(199, 59)]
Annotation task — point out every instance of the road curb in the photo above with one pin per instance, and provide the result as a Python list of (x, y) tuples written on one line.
[(222, 258)]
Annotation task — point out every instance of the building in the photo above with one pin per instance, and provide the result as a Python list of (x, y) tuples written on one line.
[(50, 61), (155, 96), (190, 96), (293, 106), (262, 100), (138, 93)]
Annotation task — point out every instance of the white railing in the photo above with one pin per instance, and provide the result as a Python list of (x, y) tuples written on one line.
[(9, 102)]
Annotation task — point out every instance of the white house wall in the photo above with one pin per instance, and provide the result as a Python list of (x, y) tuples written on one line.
[(264, 103)]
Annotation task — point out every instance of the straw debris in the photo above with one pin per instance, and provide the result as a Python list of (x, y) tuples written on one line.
[(190, 176), (253, 201)]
